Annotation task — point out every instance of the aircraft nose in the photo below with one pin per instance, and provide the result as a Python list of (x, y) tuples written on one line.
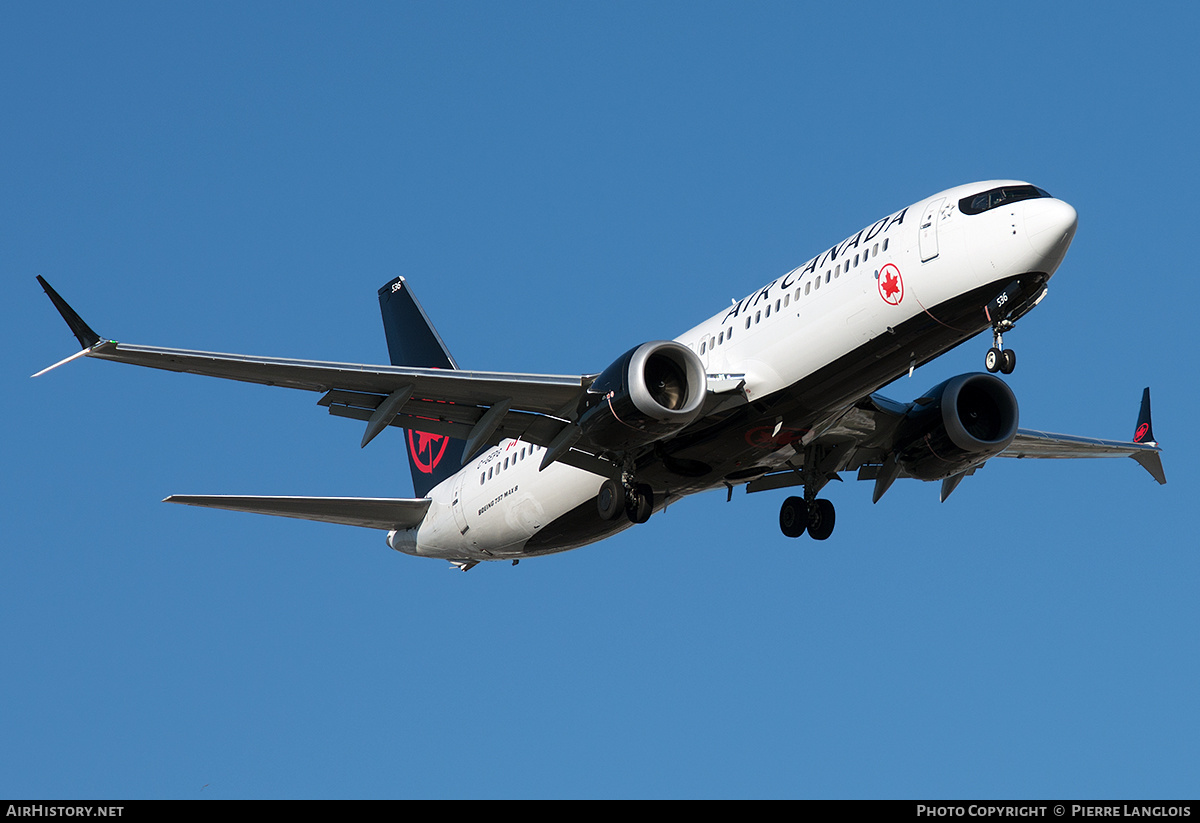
[(1049, 222), (1050, 226)]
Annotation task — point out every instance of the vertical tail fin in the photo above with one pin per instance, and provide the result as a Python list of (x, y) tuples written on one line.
[(413, 341)]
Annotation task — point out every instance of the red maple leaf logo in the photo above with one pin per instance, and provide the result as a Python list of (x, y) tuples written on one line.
[(891, 285)]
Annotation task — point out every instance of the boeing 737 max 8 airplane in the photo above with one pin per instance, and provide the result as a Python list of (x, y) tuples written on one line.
[(775, 391)]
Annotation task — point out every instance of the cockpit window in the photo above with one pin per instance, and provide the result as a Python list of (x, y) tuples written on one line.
[(979, 203)]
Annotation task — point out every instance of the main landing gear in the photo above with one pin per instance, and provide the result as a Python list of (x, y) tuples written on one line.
[(634, 500), (998, 358), (798, 515)]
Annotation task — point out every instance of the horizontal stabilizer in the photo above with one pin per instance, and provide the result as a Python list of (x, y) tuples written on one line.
[(385, 513), (1152, 462)]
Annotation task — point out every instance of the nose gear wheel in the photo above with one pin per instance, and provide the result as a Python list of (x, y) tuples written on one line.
[(998, 358)]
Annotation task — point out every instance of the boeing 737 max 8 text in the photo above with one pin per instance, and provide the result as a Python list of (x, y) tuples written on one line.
[(776, 391)]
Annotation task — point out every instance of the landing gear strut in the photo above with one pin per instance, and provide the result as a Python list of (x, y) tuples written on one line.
[(998, 358), (800, 514)]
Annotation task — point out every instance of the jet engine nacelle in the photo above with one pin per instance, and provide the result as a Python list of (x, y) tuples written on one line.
[(649, 393), (957, 425)]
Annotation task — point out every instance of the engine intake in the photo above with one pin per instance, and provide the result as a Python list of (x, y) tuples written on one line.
[(648, 393), (957, 425)]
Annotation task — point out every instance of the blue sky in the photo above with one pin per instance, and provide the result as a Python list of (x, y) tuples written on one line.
[(560, 182)]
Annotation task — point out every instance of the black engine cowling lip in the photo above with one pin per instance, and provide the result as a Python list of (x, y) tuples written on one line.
[(999, 392)]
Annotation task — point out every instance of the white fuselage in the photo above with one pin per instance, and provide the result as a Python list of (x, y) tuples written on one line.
[(866, 286)]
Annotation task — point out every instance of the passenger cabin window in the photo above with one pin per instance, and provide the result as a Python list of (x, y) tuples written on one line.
[(979, 203)]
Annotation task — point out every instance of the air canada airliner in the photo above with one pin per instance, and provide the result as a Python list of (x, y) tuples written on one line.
[(775, 391)]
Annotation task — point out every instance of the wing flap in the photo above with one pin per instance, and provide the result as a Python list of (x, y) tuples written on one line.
[(529, 428), (366, 512), (453, 419)]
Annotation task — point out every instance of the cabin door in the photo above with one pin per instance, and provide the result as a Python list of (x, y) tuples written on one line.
[(928, 240)]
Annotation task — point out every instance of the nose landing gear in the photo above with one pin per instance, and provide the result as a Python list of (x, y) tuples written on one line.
[(1003, 312), (998, 358)]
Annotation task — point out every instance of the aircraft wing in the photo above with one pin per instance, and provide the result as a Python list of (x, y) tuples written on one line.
[(481, 408), (367, 512), (862, 438), (1029, 443), (546, 394), (536, 407)]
